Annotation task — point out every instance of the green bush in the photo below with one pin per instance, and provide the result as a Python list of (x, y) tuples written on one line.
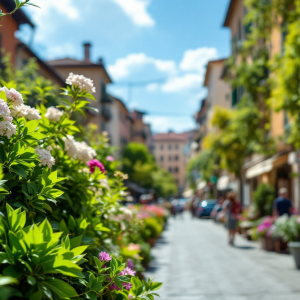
[(264, 197), (153, 226)]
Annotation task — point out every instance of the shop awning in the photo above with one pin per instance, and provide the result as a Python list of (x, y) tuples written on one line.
[(201, 185), (223, 183), (261, 168)]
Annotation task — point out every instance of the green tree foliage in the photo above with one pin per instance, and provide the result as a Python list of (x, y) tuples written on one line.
[(141, 168), (264, 198)]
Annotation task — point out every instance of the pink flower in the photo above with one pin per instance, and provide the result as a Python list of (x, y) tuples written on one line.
[(95, 163), (114, 287), (103, 256), (128, 271), (130, 264), (127, 286), (134, 247), (130, 296), (109, 158)]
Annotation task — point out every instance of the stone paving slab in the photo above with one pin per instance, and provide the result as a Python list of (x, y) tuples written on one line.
[(194, 262)]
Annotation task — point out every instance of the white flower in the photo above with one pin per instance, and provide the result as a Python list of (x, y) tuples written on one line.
[(4, 111), (78, 150), (70, 146), (84, 152), (53, 114), (7, 129), (13, 95), (26, 111), (127, 213), (83, 83), (45, 157)]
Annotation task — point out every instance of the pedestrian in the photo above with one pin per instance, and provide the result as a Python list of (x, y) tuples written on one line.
[(282, 205), (217, 208), (232, 210), (174, 208), (194, 206)]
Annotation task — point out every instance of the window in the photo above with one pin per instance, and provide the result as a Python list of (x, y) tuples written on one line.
[(170, 147), (170, 158), (176, 147), (161, 147), (176, 170), (161, 158), (176, 158), (153, 147), (170, 169)]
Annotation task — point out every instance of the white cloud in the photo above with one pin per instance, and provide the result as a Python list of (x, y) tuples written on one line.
[(196, 59), (184, 82), (66, 49), (137, 11), (124, 66), (65, 8), (163, 124)]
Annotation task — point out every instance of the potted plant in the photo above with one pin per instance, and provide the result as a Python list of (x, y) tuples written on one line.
[(265, 234), (289, 230), (278, 234)]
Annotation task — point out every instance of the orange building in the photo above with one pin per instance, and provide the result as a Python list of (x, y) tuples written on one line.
[(258, 169)]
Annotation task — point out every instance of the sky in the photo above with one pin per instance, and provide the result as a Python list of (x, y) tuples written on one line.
[(161, 47)]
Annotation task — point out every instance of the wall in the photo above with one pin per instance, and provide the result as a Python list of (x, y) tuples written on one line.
[(7, 33)]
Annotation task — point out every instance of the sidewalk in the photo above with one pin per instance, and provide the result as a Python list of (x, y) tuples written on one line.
[(194, 262)]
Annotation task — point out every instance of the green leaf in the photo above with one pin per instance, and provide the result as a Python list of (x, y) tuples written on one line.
[(155, 286), (4, 280), (31, 280), (32, 125), (4, 258), (60, 288), (11, 271), (19, 171)]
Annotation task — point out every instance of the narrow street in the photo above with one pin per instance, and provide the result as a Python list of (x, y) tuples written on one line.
[(193, 260)]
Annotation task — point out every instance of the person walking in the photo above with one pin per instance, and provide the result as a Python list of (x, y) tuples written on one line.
[(282, 205), (232, 210)]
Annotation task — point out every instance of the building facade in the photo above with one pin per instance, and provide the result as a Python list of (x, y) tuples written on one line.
[(171, 152)]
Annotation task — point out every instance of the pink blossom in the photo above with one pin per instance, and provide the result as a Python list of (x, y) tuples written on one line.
[(130, 296), (110, 158), (128, 286), (95, 163), (103, 256), (128, 271), (134, 247)]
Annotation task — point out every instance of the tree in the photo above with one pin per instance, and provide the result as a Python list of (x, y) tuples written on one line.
[(141, 168)]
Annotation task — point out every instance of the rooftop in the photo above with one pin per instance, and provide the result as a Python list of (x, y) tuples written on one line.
[(170, 136), (229, 12)]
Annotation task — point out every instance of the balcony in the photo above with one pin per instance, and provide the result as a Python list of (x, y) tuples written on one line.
[(106, 113)]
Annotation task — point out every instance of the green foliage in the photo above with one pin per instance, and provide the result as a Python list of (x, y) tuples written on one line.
[(141, 168), (263, 199), (203, 164), (152, 228)]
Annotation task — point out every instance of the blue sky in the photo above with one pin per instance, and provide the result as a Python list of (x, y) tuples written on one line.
[(165, 43)]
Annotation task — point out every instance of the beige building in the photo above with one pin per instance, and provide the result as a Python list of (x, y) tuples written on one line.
[(95, 71), (171, 151), (218, 90)]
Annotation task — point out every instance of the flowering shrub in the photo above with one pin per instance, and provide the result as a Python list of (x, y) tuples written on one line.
[(287, 228), (62, 208), (265, 227)]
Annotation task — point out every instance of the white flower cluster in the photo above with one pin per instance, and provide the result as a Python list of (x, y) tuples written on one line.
[(45, 156), (78, 150), (26, 111), (18, 108), (4, 111), (53, 114), (13, 95), (83, 83), (7, 128)]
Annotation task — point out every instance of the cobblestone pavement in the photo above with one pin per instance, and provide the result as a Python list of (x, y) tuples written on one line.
[(194, 262)]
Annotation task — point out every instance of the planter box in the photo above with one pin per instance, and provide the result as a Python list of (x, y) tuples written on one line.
[(295, 251), (280, 245), (267, 243)]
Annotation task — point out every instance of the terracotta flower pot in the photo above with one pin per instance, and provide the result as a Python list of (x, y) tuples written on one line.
[(267, 243), (280, 245)]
